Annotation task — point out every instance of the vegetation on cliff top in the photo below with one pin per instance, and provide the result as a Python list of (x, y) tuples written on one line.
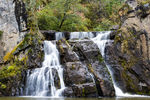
[(73, 15)]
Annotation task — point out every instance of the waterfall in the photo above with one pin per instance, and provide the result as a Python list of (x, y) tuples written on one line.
[(59, 35), (40, 82), (81, 35), (101, 39)]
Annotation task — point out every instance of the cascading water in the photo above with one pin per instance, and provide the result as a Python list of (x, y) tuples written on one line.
[(59, 35), (81, 35), (101, 39), (41, 80)]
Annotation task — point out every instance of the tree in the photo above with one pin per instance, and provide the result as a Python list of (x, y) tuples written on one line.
[(63, 15), (102, 13)]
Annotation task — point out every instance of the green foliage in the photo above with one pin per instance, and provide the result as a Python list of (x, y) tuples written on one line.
[(62, 15), (9, 71), (8, 75), (72, 15), (105, 25), (100, 59), (143, 1), (103, 14), (2, 86)]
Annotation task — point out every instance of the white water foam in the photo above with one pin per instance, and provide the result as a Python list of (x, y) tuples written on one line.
[(81, 35), (41, 80), (59, 35)]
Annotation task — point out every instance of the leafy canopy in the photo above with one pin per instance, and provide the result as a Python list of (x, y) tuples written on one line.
[(62, 15)]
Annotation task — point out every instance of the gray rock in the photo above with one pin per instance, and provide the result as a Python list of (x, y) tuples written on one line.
[(9, 27), (85, 90), (80, 59)]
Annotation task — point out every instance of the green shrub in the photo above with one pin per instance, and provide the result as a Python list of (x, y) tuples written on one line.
[(9, 71), (62, 15)]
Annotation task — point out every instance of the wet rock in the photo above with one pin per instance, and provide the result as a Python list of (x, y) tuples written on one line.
[(89, 53), (80, 59), (67, 35), (112, 35), (49, 35)]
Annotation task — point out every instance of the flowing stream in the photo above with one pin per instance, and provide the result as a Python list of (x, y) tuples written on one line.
[(40, 81)]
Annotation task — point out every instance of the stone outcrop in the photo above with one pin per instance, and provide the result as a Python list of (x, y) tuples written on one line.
[(84, 70), (129, 54)]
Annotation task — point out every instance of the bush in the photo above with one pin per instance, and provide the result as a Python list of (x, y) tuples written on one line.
[(62, 15)]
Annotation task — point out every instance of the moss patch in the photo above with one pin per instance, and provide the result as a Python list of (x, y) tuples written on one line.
[(100, 58), (9, 75), (1, 33)]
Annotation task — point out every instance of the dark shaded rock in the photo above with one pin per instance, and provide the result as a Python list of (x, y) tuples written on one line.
[(67, 35), (75, 71), (89, 53), (21, 15), (80, 59), (49, 35), (112, 35)]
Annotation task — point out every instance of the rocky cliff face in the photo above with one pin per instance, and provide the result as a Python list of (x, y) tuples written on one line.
[(28, 54), (130, 51), (13, 20), (8, 27)]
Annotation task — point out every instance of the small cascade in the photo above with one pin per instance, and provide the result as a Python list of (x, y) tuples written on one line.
[(40, 81), (81, 35), (101, 40), (59, 35)]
